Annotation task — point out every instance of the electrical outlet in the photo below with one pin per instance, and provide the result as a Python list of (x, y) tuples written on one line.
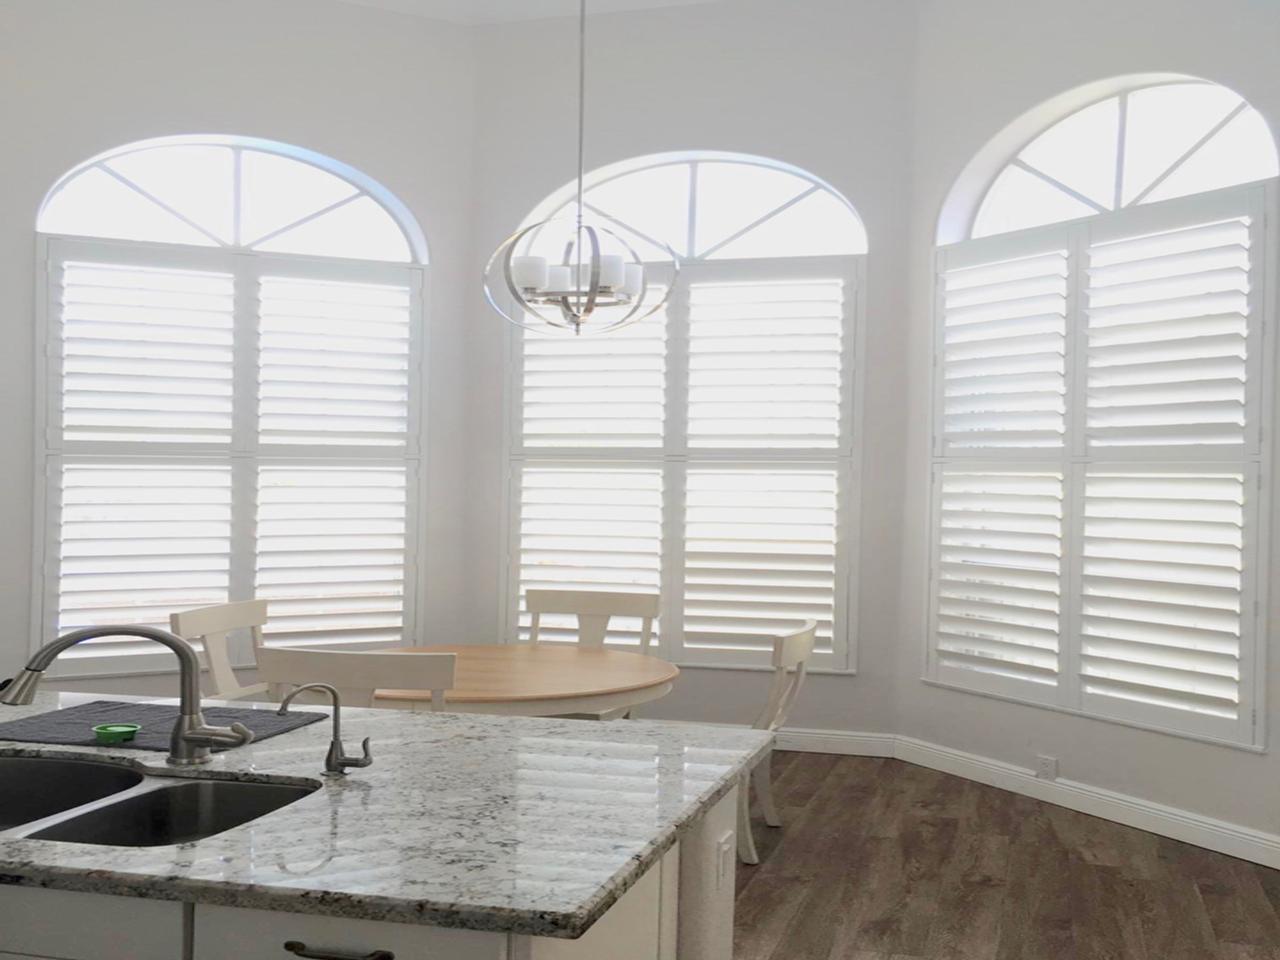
[(1046, 768)]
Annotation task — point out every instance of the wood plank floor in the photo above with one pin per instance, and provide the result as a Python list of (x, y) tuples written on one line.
[(883, 860)]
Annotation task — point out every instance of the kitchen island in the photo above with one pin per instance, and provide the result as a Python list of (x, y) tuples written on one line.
[(503, 838)]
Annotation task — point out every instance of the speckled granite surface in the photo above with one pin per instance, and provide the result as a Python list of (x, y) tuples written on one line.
[(507, 824)]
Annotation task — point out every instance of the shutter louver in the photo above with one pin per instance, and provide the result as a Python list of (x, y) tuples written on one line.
[(333, 362), (760, 558), (147, 353), (139, 541), (764, 364), (331, 552), (999, 573), (1162, 589), (1168, 319), (1003, 354), (602, 391), (589, 527)]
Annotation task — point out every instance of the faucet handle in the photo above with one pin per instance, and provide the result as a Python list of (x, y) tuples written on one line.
[(236, 735), (364, 761)]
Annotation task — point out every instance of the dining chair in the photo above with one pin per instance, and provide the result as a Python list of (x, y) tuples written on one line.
[(593, 609), (791, 654), (208, 629), (356, 674)]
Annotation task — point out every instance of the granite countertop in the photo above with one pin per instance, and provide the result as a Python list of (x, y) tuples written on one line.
[(508, 824)]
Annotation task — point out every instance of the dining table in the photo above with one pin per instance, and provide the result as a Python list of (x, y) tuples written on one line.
[(541, 679)]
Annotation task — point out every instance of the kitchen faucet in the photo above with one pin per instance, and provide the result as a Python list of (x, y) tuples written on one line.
[(192, 739), (336, 760)]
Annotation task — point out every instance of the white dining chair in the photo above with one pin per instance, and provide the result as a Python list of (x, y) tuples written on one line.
[(791, 654), (593, 609), (208, 628), (358, 674)]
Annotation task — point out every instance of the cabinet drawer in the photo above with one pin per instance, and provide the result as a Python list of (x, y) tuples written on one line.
[(86, 926), (227, 933)]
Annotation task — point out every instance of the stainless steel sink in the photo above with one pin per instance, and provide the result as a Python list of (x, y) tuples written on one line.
[(33, 788), (173, 812)]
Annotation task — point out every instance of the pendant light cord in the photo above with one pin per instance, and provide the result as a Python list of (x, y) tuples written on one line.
[(582, 99)]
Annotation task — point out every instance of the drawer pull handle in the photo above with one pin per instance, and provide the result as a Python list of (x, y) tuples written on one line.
[(298, 948)]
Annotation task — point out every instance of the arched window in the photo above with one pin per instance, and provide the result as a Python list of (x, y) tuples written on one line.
[(233, 329), (643, 459), (1099, 452)]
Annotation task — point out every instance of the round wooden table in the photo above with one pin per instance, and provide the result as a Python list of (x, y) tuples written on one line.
[(541, 680)]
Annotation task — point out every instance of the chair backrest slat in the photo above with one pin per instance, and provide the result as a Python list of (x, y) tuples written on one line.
[(791, 654), (209, 628), (357, 675), (593, 609)]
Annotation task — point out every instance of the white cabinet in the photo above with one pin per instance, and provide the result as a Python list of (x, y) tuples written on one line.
[(226, 933), (62, 925), (632, 929)]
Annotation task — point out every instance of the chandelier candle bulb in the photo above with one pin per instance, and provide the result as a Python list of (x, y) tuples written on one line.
[(559, 279), (611, 271), (634, 281), (529, 273)]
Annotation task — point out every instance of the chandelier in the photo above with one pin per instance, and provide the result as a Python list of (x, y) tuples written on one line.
[(599, 282)]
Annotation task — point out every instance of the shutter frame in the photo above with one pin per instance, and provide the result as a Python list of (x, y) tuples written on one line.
[(1250, 459)]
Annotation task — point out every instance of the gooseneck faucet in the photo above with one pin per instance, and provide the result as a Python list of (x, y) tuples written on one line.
[(336, 760), (192, 739)]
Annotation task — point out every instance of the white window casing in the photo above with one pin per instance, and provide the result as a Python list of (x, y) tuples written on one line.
[(1099, 524), (256, 415)]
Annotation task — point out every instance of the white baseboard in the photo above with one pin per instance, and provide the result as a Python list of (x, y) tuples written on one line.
[(1229, 838)]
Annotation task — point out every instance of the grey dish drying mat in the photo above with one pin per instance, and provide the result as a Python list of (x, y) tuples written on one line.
[(74, 725)]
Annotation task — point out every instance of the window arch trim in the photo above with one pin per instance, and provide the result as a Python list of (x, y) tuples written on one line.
[(388, 201), (964, 201)]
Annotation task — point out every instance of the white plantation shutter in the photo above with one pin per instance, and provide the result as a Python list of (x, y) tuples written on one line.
[(1003, 352), (602, 391), (759, 558), (172, 371), (331, 553), (137, 541), (1153, 616), (705, 454), (1163, 590), (998, 573), (588, 527), (147, 353), (333, 362), (1168, 333), (764, 364)]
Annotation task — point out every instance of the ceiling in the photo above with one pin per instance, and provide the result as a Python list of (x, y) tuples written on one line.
[(504, 11)]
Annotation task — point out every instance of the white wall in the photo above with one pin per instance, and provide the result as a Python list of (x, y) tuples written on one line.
[(885, 99), (390, 94)]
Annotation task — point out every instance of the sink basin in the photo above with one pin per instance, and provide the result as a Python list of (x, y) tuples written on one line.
[(175, 813), (32, 788)]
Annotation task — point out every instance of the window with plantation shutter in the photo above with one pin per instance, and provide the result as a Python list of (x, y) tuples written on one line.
[(333, 362), (137, 541), (147, 353), (764, 364), (589, 527), (1003, 354), (595, 391), (998, 592), (705, 454), (1099, 538), (759, 555), (1163, 591), (232, 382)]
